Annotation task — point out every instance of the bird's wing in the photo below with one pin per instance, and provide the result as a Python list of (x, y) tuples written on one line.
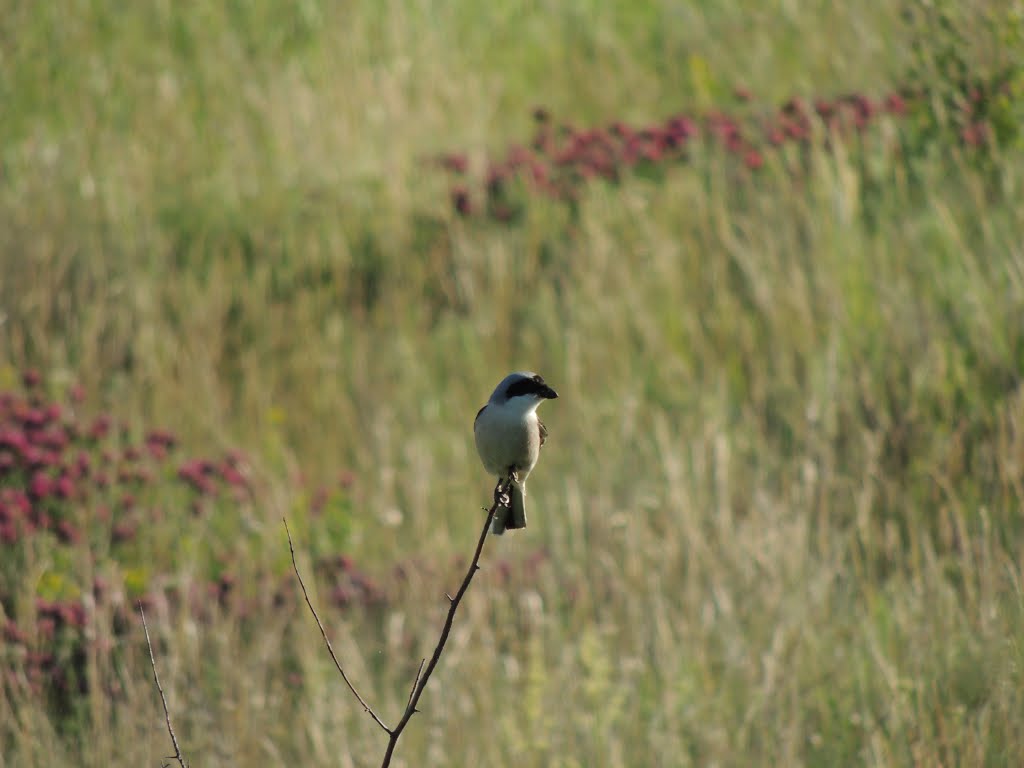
[(475, 420), (543, 431)]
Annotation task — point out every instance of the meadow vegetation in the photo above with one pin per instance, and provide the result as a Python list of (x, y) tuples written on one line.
[(778, 520)]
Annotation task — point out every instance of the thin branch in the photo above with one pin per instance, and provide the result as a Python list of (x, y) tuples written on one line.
[(323, 632), (167, 713), (501, 498)]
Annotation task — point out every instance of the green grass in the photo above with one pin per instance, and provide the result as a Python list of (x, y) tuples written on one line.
[(778, 518)]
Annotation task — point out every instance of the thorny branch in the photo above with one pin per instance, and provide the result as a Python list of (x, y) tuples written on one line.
[(426, 668), (167, 713), (501, 499)]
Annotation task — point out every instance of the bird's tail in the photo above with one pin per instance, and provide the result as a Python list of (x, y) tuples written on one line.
[(514, 517)]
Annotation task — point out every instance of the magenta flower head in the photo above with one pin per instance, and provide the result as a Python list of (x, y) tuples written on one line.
[(64, 487), (33, 418), (39, 486), (100, 428), (14, 439)]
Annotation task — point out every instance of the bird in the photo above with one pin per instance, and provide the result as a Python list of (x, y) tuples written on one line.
[(508, 439)]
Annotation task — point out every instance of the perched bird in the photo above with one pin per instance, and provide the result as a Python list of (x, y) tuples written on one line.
[(509, 436)]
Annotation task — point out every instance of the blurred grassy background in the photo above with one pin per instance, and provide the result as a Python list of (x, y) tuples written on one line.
[(778, 520)]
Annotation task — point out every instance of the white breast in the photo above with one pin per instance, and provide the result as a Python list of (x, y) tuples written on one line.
[(507, 436)]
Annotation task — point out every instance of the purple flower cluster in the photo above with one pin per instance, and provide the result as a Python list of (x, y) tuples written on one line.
[(70, 480), (43, 460), (211, 479), (347, 584), (75, 480), (56, 463), (560, 159)]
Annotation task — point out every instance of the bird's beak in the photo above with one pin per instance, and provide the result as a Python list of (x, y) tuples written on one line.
[(548, 393)]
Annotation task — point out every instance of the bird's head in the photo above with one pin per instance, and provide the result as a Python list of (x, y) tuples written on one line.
[(522, 384)]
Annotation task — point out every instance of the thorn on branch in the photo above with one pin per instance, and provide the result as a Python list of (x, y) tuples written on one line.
[(416, 681)]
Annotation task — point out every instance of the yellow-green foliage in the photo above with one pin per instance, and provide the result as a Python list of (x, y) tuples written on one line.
[(778, 518)]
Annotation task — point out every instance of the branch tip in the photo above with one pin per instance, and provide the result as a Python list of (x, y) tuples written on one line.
[(163, 699), (327, 641)]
